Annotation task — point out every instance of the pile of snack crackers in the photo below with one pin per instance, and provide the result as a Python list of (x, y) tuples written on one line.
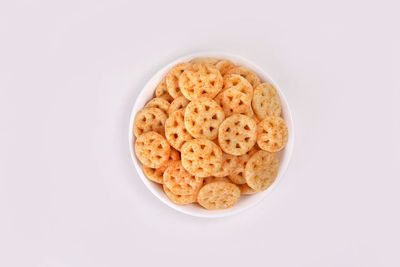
[(211, 133)]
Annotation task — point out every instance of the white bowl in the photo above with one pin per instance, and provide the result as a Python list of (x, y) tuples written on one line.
[(245, 202)]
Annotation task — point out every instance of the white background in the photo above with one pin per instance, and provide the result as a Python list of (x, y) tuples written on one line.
[(69, 75)]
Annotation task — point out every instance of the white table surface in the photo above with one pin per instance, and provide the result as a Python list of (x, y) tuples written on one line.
[(69, 74)]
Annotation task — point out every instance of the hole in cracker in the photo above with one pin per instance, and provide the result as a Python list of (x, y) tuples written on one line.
[(237, 123), (211, 128), (246, 127), (202, 146), (214, 117), (237, 145), (207, 107)]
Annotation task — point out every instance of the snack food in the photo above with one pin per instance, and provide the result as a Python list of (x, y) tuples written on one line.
[(218, 195), (203, 117), (272, 134), (178, 103), (180, 181), (175, 130), (237, 134), (266, 101), (152, 149), (172, 79), (261, 170), (159, 103), (201, 157), (149, 119), (200, 80), (210, 133), (247, 74)]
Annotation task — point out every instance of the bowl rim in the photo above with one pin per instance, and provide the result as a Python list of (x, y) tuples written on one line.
[(258, 70)]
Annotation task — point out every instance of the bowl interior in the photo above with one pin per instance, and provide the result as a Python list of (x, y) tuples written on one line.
[(245, 202)]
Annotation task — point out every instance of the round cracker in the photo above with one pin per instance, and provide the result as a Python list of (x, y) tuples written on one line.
[(229, 163), (239, 83), (218, 195), (266, 101), (172, 79), (237, 134), (224, 66), (156, 174), (180, 181), (158, 102), (247, 74), (212, 179), (162, 92), (149, 119), (235, 102), (203, 117), (152, 149), (178, 103), (201, 157), (262, 170), (238, 174), (179, 199), (200, 80), (206, 60), (175, 130), (272, 134)]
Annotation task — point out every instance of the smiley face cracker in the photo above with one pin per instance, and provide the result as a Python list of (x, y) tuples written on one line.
[(152, 149), (203, 117), (175, 130), (262, 170), (247, 74), (179, 199), (201, 157), (162, 91), (172, 79), (178, 103), (149, 119), (160, 103), (218, 195), (237, 134), (180, 181), (200, 80), (272, 134), (266, 101), (239, 83)]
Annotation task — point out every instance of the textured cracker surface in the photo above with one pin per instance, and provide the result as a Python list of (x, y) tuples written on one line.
[(156, 174), (218, 195), (237, 175), (172, 79), (224, 66), (179, 199), (152, 149), (206, 60), (235, 102), (229, 163), (266, 101), (203, 117), (158, 102), (247, 74), (201, 157), (212, 179), (180, 181), (162, 92), (261, 170), (239, 83), (272, 134), (149, 119), (200, 80), (246, 190), (175, 130), (237, 134), (178, 103)]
